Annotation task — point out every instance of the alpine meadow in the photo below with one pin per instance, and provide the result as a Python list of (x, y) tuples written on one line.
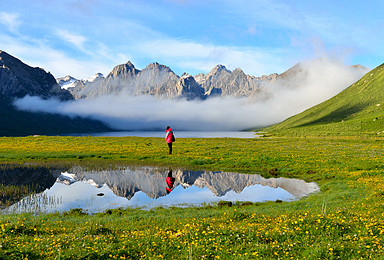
[(356, 111), (209, 129), (344, 220)]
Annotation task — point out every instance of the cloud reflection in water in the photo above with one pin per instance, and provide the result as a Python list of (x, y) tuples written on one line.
[(145, 187)]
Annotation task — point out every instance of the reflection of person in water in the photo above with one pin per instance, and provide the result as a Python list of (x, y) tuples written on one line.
[(169, 138), (170, 181)]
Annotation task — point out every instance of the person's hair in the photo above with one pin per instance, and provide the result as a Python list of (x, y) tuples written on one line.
[(168, 127)]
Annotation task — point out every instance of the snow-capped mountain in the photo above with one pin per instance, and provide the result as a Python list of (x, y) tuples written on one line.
[(160, 81), (69, 82), (95, 77), (66, 82)]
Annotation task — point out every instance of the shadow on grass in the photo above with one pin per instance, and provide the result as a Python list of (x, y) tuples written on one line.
[(336, 115)]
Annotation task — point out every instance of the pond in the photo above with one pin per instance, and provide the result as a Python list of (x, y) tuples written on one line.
[(178, 134), (61, 189)]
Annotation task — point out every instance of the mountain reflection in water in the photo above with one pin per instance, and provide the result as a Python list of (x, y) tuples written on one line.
[(148, 187)]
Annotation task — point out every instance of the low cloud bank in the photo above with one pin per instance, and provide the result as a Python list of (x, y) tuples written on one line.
[(318, 81)]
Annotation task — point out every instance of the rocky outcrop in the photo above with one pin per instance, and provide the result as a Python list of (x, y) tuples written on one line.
[(222, 82), (18, 80), (66, 82), (156, 80), (160, 81), (188, 88)]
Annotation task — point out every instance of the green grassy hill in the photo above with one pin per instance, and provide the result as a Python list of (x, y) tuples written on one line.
[(356, 111)]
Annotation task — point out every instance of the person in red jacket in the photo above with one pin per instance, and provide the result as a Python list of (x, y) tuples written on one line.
[(169, 138), (170, 181)]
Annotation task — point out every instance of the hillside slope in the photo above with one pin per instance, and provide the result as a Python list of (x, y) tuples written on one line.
[(17, 80), (356, 111), (21, 123)]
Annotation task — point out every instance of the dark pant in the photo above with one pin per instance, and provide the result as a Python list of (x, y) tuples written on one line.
[(170, 147)]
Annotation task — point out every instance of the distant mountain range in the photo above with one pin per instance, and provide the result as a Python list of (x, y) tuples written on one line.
[(18, 80), (160, 81)]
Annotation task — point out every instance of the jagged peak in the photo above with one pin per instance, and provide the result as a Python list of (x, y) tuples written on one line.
[(10, 62), (157, 66), (5, 57), (218, 69), (68, 77), (130, 64), (127, 67), (185, 75), (94, 77), (238, 71), (3, 53)]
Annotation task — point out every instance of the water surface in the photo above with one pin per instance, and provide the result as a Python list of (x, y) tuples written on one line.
[(145, 187), (178, 134)]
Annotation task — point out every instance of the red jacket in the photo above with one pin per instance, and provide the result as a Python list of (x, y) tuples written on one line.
[(170, 181), (168, 136)]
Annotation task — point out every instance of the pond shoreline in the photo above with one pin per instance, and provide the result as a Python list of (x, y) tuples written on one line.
[(337, 222), (179, 134), (139, 187)]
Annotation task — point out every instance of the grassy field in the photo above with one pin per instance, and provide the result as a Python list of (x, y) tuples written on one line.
[(356, 111), (343, 221)]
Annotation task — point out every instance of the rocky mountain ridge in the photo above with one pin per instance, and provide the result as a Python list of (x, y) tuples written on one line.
[(160, 81), (17, 79)]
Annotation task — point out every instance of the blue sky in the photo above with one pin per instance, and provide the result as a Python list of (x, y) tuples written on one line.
[(81, 38)]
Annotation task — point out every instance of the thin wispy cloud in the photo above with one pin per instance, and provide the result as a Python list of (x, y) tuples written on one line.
[(76, 40), (39, 54), (261, 37), (192, 55), (10, 20)]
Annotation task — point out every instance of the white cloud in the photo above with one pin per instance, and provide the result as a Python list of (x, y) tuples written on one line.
[(11, 20), (38, 54), (77, 40), (325, 78), (196, 57), (119, 32)]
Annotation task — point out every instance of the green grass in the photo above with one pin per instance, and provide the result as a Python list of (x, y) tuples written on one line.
[(337, 144), (283, 156), (356, 111), (343, 221), (10, 194)]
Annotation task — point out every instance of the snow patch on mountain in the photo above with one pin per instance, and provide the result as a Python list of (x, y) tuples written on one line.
[(66, 82), (94, 77), (69, 82)]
